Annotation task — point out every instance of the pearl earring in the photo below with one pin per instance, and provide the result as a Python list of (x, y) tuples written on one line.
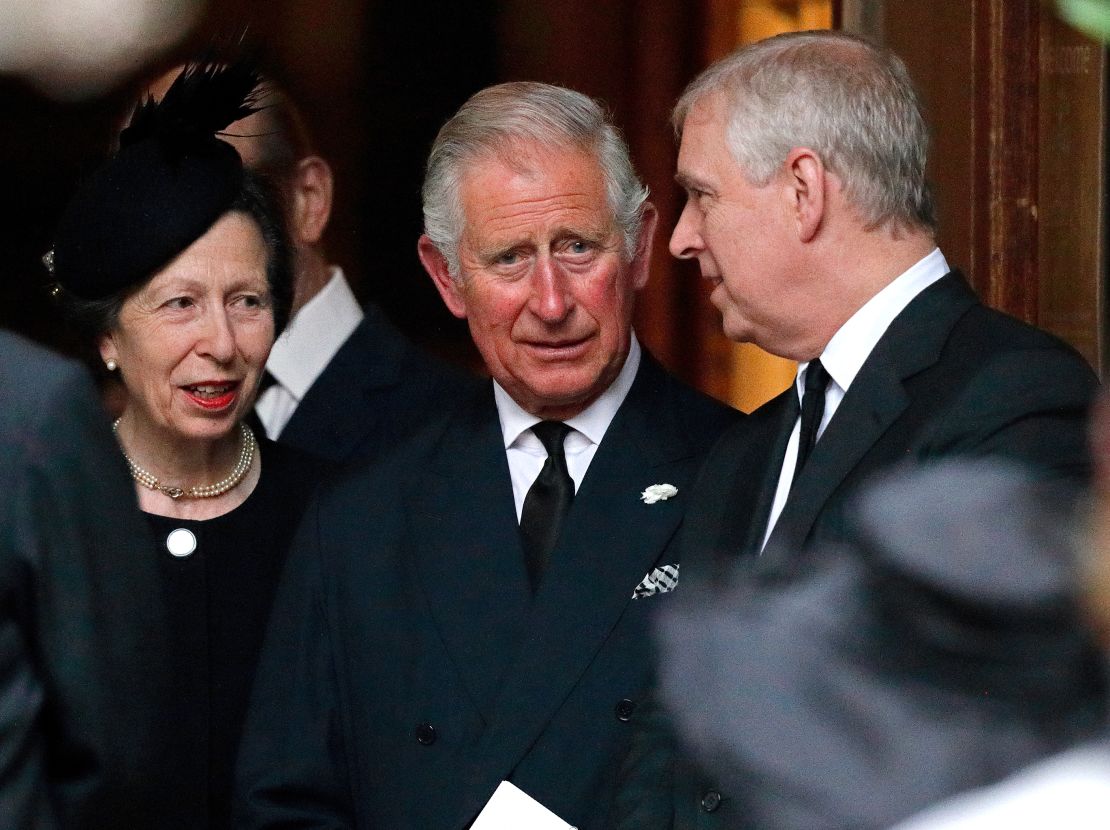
[(110, 365)]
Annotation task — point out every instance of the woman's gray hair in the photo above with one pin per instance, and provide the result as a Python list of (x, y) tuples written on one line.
[(846, 99), (490, 125)]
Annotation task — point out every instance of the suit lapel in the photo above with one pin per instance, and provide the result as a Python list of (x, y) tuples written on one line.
[(876, 399), (467, 548), (332, 418), (859, 421), (783, 411), (611, 539), (732, 498)]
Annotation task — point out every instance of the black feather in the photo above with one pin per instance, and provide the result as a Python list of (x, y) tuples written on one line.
[(203, 100)]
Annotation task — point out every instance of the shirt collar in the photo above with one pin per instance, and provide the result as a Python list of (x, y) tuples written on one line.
[(846, 352), (592, 422), (314, 335)]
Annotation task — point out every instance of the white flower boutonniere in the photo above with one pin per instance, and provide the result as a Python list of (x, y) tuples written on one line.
[(658, 492)]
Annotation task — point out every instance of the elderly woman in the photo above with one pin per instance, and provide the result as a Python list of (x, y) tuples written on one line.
[(171, 259)]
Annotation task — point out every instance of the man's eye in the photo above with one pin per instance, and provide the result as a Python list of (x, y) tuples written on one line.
[(508, 258), (699, 200), (179, 303), (577, 247)]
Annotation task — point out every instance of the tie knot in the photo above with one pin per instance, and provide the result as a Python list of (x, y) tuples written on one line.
[(265, 382), (551, 435), (817, 377)]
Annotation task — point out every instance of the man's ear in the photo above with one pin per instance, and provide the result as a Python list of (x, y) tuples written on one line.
[(641, 261), (312, 193), (805, 189), (435, 263)]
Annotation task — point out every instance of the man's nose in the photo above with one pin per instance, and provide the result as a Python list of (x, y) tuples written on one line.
[(550, 300), (686, 240)]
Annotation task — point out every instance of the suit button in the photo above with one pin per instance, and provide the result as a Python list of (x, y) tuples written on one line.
[(624, 710), (426, 734), (710, 801)]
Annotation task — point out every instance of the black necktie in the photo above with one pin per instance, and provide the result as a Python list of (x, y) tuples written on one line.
[(265, 382), (813, 408), (253, 421), (547, 501)]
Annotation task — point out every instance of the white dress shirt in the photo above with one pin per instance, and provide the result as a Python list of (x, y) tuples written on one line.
[(846, 353), (526, 454), (305, 348)]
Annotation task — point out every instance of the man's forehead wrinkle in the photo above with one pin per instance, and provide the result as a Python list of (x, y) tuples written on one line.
[(530, 217), (535, 200)]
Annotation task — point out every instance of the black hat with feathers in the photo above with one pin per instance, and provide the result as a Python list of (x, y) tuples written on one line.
[(171, 179)]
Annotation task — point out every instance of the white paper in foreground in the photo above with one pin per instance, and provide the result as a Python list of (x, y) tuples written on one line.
[(510, 808)]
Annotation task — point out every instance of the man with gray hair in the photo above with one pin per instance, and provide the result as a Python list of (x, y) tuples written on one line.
[(462, 627), (803, 159)]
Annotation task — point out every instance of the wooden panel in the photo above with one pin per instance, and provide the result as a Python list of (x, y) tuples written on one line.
[(935, 42), (662, 33), (1071, 183), (1016, 101), (1004, 209)]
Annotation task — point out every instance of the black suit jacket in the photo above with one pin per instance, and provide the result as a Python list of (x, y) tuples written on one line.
[(409, 670), (950, 377), (378, 389), (82, 635)]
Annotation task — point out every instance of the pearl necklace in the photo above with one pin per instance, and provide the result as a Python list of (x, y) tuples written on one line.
[(246, 458)]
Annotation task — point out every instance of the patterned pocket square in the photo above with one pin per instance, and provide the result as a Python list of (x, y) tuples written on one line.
[(659, 581)]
